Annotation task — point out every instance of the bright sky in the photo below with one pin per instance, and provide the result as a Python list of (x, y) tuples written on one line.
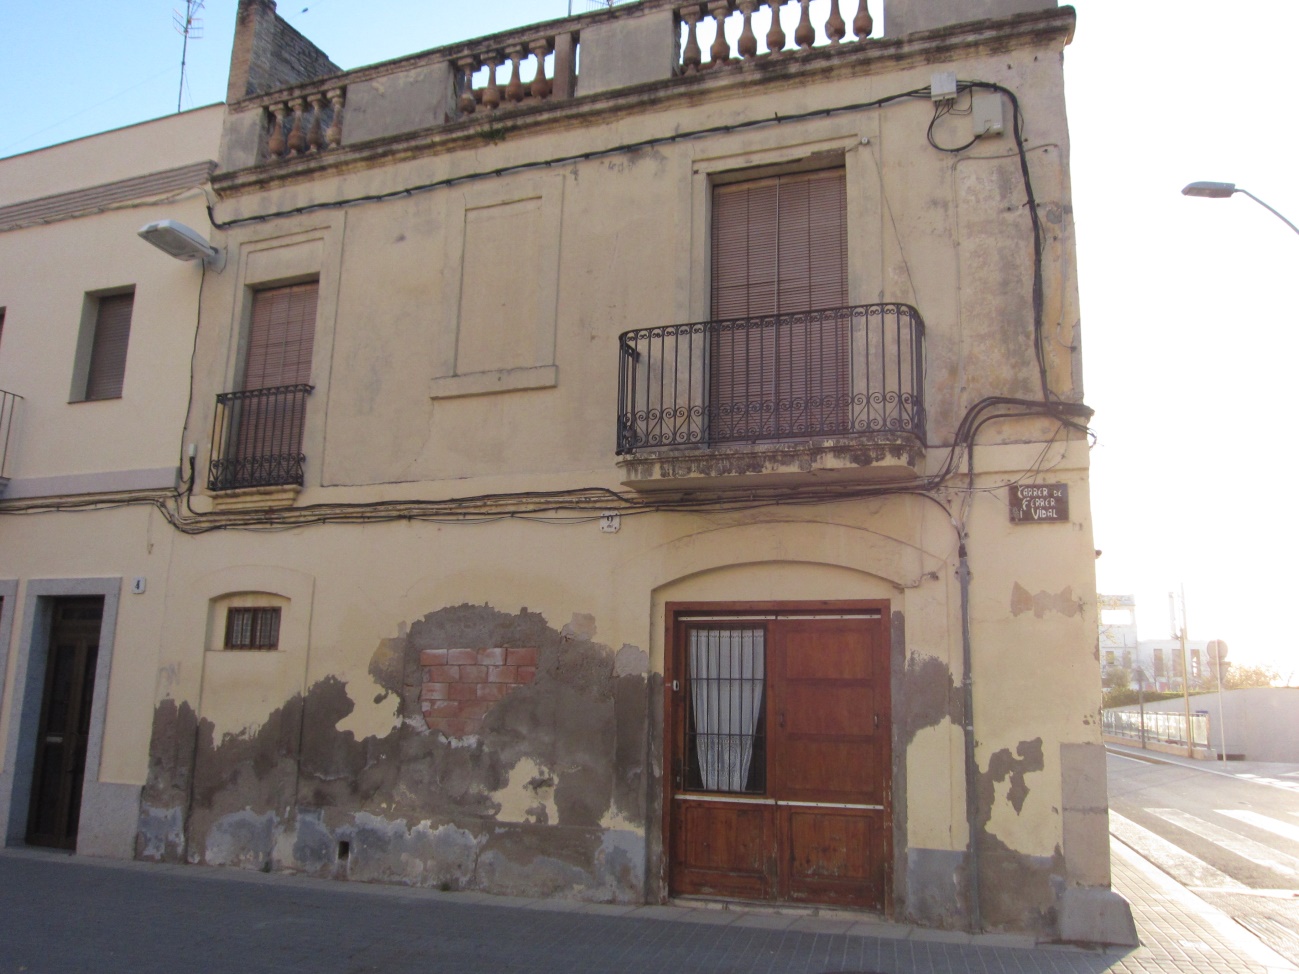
[(1189, 321)]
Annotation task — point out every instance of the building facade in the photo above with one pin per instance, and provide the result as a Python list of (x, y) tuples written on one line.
[(579, 490), (1149, 664)]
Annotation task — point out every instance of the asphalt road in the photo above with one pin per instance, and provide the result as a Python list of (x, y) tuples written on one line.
[(1228, 832)]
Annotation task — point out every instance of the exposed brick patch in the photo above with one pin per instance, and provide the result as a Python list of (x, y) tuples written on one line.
[(462, 685)]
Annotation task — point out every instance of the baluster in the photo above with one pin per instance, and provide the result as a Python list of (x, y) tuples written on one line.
[(492, 96), (467, 66), (863, 23), (805, 33), (334, 134), (747, 47), (835, 28), (691, 56), (514, 90), (276, 145), (315, 136), (720, 52), (541, 86), (297, 137), (776, 36)]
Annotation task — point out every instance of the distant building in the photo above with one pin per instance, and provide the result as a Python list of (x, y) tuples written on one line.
[(1155, 664)]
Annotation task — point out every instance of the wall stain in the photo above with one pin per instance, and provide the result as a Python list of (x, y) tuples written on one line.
[(1016, 891), (1022, 600), (415, 806)]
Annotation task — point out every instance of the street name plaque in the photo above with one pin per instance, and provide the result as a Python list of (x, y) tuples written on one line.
[(1039, 503)]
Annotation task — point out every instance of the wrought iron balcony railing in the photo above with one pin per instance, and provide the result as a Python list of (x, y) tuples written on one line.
[(811, 374), (257, 438)]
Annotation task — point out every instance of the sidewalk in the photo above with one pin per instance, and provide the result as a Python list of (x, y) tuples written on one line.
[(1234, 769), (61, 914)]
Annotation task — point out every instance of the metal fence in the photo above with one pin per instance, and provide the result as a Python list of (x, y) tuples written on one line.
[(1159, 728), (831, 372), (257, 438)]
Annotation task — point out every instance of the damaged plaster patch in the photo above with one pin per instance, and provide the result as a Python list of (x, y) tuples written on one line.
[(243, 839), (528, 795), (1022, 600), (1003, 766), (930, 695), (548, 797), (631, 661), (1018, 891)]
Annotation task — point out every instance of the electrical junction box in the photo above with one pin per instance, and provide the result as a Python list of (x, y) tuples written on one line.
[(988, 113), (942, 86)]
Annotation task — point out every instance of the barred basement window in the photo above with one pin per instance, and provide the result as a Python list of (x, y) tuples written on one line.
[(253, 628)]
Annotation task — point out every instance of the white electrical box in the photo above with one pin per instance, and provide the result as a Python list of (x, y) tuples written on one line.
[(988, 113), (942, 86)]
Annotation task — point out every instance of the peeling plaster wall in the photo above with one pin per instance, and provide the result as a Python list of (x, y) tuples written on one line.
[(520, 806)]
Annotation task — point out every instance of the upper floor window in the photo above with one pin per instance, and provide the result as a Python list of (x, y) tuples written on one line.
[(106, 332), (780, 245), (779, 249), (259, 428), (281, 336)]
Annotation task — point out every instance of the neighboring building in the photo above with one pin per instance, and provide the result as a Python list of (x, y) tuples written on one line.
[(581, 494), (1152, 664), (95, 368)]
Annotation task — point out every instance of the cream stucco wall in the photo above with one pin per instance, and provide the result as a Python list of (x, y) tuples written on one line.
[(467, 345)]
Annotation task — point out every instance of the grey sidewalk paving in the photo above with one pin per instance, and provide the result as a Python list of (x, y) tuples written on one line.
[(1260, 769), (60, 915)]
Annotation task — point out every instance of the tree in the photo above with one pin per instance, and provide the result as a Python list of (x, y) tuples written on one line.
[(1239, 677), (1116, 678)]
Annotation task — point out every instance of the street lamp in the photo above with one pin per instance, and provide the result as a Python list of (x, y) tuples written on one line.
[(1218, 191)]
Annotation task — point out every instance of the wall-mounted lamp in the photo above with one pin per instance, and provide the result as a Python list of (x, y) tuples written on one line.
[(179, 241)]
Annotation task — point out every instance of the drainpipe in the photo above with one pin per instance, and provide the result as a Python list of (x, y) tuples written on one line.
[(971, 768)]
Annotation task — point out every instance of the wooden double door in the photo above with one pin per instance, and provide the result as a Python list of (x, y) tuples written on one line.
[(780, 755)]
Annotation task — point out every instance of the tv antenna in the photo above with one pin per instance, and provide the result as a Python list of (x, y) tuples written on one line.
[(187, 25)]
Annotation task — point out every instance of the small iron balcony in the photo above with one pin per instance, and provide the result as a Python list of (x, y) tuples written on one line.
[(257, 438), (833, 373)]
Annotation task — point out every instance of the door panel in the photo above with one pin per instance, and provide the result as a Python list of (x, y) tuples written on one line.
[(816, 829), (64, 731), (723, 849)]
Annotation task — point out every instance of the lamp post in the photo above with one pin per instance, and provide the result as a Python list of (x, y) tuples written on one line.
[(1219, 191)]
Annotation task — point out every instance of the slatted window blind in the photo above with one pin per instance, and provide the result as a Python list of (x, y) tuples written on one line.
[(108, 349), (780, 252), (281, 336), (280, 339)]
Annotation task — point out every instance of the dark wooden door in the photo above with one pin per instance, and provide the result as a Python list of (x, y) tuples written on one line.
[(781, 792), (64, 731)]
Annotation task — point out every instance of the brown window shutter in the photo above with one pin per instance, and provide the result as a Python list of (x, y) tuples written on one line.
[(779, 252), (281, 336), (108, 350)]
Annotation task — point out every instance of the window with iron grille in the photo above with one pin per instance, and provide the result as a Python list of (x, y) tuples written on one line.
[(726, 725), (253, 628)]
